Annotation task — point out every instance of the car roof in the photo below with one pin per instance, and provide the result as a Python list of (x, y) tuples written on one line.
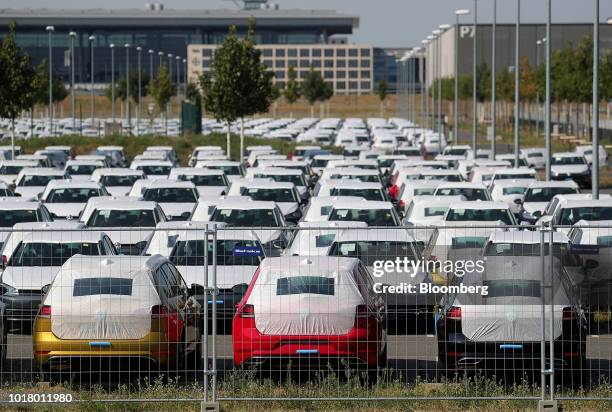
[(200, 171), (298, 265), (117, 171), (461, 185), (18, 205), (260, 184), (366, 205), (587, 203), (121, 266), (377, 235), (42, 171), (567, 154), (120, 204), (479, 205), (245, 204), (69, 183), (167, 183), (558, 183), (64, 236), (524, 237)]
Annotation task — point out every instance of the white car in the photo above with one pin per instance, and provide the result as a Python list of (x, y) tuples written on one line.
[(315, 238), (570, 212), (570, 166), (117, 181), (9, 169), (206, 206), (31, 182), (279, 174), (209, 182), (371, 212), (319, 207), (233, 170), (587, 152), (433, 144), (470, 191), (425, 212), (512, 192), (285, 195), (539, 194), (83, 169), (153, 168), (66, 199), (535, 157), (176, 198), (478, 212)]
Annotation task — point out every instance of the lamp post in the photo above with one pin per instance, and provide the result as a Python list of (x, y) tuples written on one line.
[(494, 82), (441, 131), (178, 75), (548, 98), (127, 87), (139, 50), (170, 55), (424, 104), (112, 47), (93, 100), (185, 77), (595, 140), (72, 98), (50, 30), (517, 84), (539, 43), (436, 45), (474, 85), (458, 13), (161, 56), (427, 89), (151, 52)]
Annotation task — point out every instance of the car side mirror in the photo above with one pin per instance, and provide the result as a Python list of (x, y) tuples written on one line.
[(591, 264), (45, 289), (196, 290), (240, 289), (518, 201)]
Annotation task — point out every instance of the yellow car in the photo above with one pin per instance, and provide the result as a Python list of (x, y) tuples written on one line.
[(108, 312)]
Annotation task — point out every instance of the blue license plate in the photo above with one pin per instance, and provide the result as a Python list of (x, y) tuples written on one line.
[(100, 344), (217, 302), (511, 347), (307, 351)]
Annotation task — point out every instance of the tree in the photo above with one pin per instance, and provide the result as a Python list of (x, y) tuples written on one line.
[(528, 86), (40, 86), (381, 90), (313, 88), (239, 84), (162, 90), (16, 79), (121, 89), (192, 92), (291, 93)]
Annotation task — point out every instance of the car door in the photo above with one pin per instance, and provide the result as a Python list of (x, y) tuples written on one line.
[(175, 305)]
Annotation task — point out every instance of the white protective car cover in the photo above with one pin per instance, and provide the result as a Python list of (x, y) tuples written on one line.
[(101, 316), (305, 314), (511, 318)]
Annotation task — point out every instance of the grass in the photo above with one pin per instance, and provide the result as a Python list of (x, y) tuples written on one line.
[(408, 397)]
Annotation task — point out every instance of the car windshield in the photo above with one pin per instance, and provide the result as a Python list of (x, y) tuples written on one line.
[(273, 195), (435, 211), (535, 154), (373, 217), (447, 178), (76, 195), (361, 178), (518, 190), (8, 218), (524, 249), (119, 180), (455, 152), (155, 170), (50, 254), (545, 194), (297, 285), (81, 169), (246, 217), (122, 218), (469, 193), (504, 176), (229, 253), (229, 170), (297, 180), (205, 180), (367, 194), (10, 170), (370, 251), (483, 215), (569, 160), (37, 180), (171, 195), (570, 216)]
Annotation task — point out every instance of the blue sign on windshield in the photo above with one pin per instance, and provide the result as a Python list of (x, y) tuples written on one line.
[(247, 251)]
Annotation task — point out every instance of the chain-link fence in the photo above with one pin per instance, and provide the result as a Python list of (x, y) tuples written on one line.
[(336, 311)]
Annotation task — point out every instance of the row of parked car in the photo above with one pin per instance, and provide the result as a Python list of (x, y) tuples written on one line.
[(108, 260)]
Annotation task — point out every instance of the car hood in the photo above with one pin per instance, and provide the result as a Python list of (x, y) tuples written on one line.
[(227, 276), (569, 169), (29, 277), (63, 210), (29, 191)]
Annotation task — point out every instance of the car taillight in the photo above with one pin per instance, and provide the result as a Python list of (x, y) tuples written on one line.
[(159, 310), (401, 204), (569, 314), (454, 313), (44, 312), (393, 192), (247, 311)]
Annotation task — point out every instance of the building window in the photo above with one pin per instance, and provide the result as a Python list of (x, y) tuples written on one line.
[(353, 53), (328, 74), (365, 85), (305, 63), (316, 63), (329, 53), (304, 74), (268, 63), (365, 74), (340, 52), (353, 63), (206, 52), (280, 52), (279, 74), (341, 85), (316, 52), (280, 63), (340, 63), (353, 74), (365, 63), (353, 85), (328, 63), (304, 53), (292, 52), (365, 52), (281, 85), (205, 63), (267, 52), (341, 74), (292, 63)]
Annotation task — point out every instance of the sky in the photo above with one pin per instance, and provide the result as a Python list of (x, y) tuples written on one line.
[(389, 23)]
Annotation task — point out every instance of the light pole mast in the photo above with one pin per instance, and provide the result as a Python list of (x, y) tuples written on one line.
[(139, 50), (517, 85), (93, 99), (127, 88), (494, 83), (458, 13), (595, 166), (50, 30), (474, 83), (112, 47), (72, 98)]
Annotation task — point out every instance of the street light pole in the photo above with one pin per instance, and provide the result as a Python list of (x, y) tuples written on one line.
[(185, 77), (139, 50), (434, 77), (178, 75), (112, 47), (441, 131), (517, 84), (595, 166), (127, 88), (494, 83), (424, 88), (474, 83), (170, 55), (538, 44), (151, 63), (458, 13), (548, 93), (72, 98), (50, 30), (161, 55), (93, 100), (427, 88)]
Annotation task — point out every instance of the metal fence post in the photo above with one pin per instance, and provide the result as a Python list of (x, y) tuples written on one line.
[(552, 317), (214, 291), (543, 369), (205, 332)]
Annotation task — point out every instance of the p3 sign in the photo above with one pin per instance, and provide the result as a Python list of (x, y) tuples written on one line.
[(466, 31)]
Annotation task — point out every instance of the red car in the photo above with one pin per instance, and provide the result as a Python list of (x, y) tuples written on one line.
[(311, 311)]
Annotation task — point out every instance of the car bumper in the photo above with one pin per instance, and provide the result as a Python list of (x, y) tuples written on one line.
[(20, 311)]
